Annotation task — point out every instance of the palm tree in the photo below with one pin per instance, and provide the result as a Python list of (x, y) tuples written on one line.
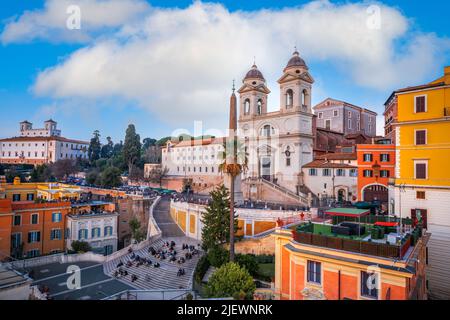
[(234, 161)]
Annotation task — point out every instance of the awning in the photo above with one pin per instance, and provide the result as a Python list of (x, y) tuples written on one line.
[(347, 212), (386, 224)]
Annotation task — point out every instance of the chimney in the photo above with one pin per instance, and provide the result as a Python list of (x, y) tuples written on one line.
[(447, 75)]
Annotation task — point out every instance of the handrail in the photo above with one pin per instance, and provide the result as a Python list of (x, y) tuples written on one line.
[(301, 198)]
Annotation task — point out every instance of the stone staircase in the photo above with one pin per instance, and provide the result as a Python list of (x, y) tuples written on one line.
[(162, 278), (300, 198)]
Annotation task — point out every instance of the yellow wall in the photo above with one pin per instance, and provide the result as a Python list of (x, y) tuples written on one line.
[(437, 149), (192, 223), (182, 220)]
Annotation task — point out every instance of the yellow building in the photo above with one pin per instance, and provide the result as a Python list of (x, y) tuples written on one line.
[(421, 188), (28, 191)]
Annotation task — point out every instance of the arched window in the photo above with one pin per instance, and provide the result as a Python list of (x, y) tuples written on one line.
[(304, 97), (267, 131), (289, 98), (259, 106), (246, 106)]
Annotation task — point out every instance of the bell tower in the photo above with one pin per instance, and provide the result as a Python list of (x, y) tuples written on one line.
[(253, 94), (295, 86)]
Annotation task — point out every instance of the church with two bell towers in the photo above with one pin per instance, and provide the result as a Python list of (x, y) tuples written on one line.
[(278, 143)]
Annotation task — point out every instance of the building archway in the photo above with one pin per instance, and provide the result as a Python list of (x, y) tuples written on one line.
[(375, 191)]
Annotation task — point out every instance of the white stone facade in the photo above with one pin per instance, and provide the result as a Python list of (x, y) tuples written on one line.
[(278, 143), (38, 146), (104, 241)]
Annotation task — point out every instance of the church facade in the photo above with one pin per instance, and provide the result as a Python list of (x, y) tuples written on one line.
[(278, 143)]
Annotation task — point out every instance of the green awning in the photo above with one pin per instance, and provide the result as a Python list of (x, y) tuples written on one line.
[(347, 212)]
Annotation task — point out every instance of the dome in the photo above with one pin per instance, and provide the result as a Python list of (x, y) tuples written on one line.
[(254, 73), (296, 61)]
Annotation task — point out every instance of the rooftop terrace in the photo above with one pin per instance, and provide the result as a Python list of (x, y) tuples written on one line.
[(377, 238)]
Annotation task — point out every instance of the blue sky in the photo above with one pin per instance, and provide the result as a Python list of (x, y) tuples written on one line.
[(34, 82)]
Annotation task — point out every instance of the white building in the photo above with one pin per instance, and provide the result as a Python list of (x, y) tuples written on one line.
[(97, 229), (333, 175), (39, 146), (278, 143)]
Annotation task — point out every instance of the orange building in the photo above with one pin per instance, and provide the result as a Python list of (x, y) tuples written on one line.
[(6, 217), (312, 262), (38, 228), (376, 164)]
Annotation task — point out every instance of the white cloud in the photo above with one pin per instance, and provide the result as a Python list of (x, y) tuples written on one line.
[(50, 23), (178, 63)]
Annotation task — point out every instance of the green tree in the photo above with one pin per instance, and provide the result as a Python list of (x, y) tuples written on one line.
[(148, 142), (107, 149), (231, 280), (132, 147), (234, 161), (111, 178), (92, 177), (216, 219), (136, 232), (41, 173), (95, 147), (81, 246)]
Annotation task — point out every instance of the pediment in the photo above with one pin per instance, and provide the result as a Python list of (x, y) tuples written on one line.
[(247, 88), (305, 76)]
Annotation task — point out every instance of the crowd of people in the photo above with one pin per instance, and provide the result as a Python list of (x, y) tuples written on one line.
[(166, 252)]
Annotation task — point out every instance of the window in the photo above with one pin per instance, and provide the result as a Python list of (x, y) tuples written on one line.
[(384, 173), (335, 113), (384, 157), (420, 104), (82, 234), (247, 106), (340, 172), (289, 98), (369, 283), (33, 253), (353, 173), (349, 123), (16, 197), (16, 240), (420, 195), (34, 236), (349, 114), (420, 170), (34, 218), (367, 157), (55, 234), (313, 172), (267, 131), (288, 162), (314, 272), (17, 220), (367, 173), (328, 124), (56, 217), (108, 231), (95, 232), (421, 137), (320, 115), (259, 106), (326, 172)]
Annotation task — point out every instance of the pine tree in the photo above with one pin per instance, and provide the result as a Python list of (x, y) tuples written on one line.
[(216, 219), (95, 147), (132, 147)]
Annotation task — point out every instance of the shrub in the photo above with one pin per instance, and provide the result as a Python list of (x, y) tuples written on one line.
[(248, 261), (81, 246), (202, 266), (231, 280), (218, 256)]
